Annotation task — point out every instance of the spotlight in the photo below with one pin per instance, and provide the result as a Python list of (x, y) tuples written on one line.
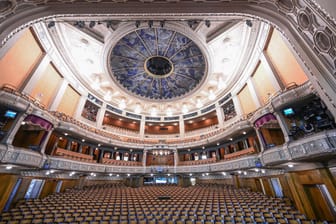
[(207, 23), (92, 24), (162, 23), (249, 23), (80, 24), (150, 23), (51, 24), (191, 23), (109, 24), (137, 24)]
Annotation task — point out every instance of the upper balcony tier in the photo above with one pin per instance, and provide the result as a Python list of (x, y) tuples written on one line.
[(119, 136)]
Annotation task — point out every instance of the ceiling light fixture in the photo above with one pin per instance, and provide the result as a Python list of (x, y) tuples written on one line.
[(211, 95), (137, 108), (108, 96), (92, 24), (207, 23), (122, 104), (51, 24), (169, 111), (9, 167), (185, 108), (153, 111), (199, 104)]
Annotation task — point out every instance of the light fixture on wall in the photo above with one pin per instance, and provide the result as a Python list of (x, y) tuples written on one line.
[(122, 103), (199, 103), (137, 108), (169, 111), (108, 95), (185, 108), (161, 152), (153, 111)]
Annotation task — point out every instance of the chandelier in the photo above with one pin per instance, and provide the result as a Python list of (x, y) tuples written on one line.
[(161, 152)]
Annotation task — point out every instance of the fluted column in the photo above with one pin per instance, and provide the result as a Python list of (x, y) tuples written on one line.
[(100, 116), (176, 159), (80, 106), (283, 126), (36, 75), (144, 157), (142, 127), (271, 71), (220, 115), (237, 106), (254, 94), (45, 140), (181, 125), (58, 97)]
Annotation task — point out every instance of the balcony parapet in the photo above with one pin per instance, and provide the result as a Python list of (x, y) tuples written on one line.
[(20, 156), (21, 101), (292, 94), (320, 144)]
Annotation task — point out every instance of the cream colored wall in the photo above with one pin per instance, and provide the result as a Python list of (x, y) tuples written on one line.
[(69, 102), (246, 100), (284, 62), (263, 83), (47, 86), (19, 62)]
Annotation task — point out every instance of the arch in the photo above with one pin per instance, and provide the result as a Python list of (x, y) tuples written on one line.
[(316, 48)]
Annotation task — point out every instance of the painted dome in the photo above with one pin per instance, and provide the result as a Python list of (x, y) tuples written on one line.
[(157, 64)]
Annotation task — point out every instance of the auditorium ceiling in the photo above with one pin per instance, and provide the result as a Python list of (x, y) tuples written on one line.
[(157, 67)]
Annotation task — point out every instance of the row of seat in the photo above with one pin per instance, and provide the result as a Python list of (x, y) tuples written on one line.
[(121, 204)]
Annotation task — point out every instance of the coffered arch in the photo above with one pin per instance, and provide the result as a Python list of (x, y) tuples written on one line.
[(308, 29)]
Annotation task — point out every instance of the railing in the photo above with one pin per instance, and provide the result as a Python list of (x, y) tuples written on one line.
[(201, 136), (114, 162), (240, 153), (74, 155), (197, 162)]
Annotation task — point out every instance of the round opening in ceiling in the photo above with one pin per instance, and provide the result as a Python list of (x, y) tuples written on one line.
[(158, 66)]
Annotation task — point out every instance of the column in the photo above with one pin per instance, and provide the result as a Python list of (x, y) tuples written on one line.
[(254, 93), (101, 154), (283, 126), (60, 93), (237, 105), (91, 151), (220, 115), (68, 145), (218, 154), (277, 83), (142, 127), (144, 157), (176, 158), (181, 125), (80, 147), (80, 106), (54, 146), (100, 116), (8, 140), (37, 74), (261, 140), (45, 141)]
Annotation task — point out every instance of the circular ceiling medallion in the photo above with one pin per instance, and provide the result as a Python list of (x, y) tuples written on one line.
[(157, 64)]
